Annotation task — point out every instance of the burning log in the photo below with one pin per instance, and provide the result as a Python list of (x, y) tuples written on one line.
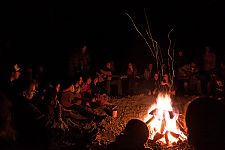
[(174, 135), (181, 127), (164, 122), (153, 112), (163, 125), (157, 136), (171, 114), (167, 137), (150, 120)]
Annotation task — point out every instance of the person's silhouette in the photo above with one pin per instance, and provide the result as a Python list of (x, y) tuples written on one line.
[(133, 137), (205, 120)]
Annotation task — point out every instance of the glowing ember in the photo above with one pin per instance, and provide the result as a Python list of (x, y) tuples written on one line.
[(162, 122)]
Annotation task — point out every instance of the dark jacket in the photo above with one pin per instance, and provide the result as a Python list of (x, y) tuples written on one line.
[(30, 124)]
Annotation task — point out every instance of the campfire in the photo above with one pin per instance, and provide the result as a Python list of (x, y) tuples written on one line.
[(163, 122)]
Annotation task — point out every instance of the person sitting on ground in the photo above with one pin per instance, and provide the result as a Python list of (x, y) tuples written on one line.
[(95, 87), (154, 85), (205, 121), (101, 102), (101, 99), (30, 123), (166, 87), (216, 86), (54, 108), (192, 84), (148, 75), (133, 137), (68, 97), (78, 86), (70, 101), (77, 89), (105, 77), (86, 88), (131, 77)]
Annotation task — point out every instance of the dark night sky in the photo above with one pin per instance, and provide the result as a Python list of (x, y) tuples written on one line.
[(53, 29)]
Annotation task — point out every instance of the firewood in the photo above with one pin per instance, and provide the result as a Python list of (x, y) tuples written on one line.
[(181, 127), (163, 125), (167, 137), (174, 134), (153, 111), (171, 114), (150, 120), (157, 137)]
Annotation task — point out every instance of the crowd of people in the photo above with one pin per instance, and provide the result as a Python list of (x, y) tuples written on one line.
[(202, 75), (37, 106), (34, 107)]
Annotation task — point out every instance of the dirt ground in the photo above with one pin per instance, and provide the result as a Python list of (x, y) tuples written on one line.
[(136, 107)]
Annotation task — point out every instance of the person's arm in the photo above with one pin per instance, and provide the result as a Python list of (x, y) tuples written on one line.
[(103, 71)]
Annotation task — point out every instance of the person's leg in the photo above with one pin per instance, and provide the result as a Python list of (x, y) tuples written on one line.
[(119, 87)]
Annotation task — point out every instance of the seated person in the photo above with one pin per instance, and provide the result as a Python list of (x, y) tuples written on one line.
[(70, 101), (54, 108), (86, 88), (95, 87), (131, 78), (216, 86), (166, 87), (77, 89), (205, 121), (188, 79), (133, 137), (154, 85), (193, 84), (30, 123), (105, 76), (102, 101), (68, 96)]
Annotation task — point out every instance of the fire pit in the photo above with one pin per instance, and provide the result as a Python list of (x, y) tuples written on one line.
[(139, 107), (163, 122)]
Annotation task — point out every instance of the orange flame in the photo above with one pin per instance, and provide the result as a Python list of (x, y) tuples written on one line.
[(162, 121)]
